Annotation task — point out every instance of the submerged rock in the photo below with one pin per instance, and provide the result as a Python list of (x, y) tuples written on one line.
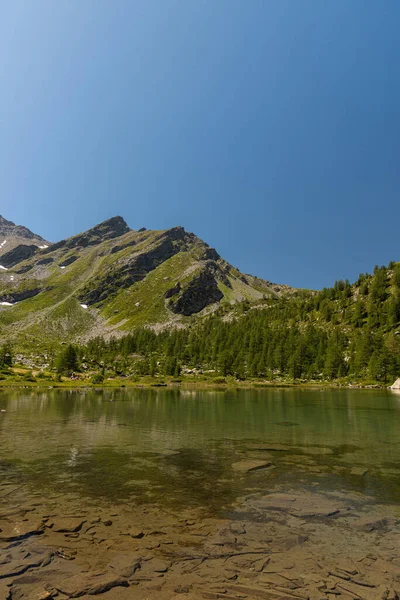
[(246, 466), (10, 532), (68, 525), (78, 586), (302, 505), (359, 471)]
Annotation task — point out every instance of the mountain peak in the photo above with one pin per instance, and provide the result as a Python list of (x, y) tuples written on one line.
[(115, 223), (10, 228), (108, 229), (12, 235), (5, 223)]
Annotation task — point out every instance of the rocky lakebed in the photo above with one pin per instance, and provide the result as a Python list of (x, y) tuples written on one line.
[(303, 521)]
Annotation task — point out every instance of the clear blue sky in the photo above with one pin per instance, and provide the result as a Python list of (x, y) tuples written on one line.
[(270, 128)]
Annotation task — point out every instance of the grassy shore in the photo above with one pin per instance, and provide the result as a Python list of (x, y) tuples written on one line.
[(19, 377)]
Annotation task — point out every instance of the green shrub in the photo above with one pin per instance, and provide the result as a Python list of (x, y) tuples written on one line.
[(29, 376), (41, 375), (97, 378)]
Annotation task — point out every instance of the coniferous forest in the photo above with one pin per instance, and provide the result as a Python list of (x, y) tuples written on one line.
[(348, 331)]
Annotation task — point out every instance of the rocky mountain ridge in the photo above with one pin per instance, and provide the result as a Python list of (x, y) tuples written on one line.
[(109, 279), (12, 236)]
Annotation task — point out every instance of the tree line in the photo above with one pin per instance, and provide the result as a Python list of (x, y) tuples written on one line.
[(344, 331)]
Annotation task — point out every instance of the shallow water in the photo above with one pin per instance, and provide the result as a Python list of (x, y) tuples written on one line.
[(177, 447), (197, 495)]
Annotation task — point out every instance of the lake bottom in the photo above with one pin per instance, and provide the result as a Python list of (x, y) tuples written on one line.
[(270, 495)]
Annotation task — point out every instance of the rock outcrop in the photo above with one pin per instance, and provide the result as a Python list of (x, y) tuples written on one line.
[(202, 291), (396, 385), (12, 236), (173, 291), (18, 296), (10, 229), (17, 255), (108, 230)]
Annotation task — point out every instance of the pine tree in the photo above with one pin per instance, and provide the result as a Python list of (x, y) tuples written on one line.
[(67, 361), (6, 355), (153, 366)]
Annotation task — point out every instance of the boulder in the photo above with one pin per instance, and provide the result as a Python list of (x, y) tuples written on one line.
[(396, 385), (92, 585), (302, 505)]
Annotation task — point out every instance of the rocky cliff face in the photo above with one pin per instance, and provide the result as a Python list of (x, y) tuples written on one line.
[(18, 254), (12, 236), (8, 228), (201, 291)]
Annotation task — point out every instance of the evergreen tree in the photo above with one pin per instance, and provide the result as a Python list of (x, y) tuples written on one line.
[(67, 361), (153, 366), (6, 355)]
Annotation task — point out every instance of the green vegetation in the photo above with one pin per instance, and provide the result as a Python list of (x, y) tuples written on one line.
[(123, 277), (345, 332), (6, 355), (67, 361), (186, 313)]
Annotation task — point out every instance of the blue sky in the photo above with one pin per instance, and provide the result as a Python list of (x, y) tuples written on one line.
[(270, 128)]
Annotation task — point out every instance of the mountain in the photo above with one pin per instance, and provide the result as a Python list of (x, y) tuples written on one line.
[(17, 242), (110, 279)]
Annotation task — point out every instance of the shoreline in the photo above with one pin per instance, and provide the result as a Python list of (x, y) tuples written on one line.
[(185, 385)]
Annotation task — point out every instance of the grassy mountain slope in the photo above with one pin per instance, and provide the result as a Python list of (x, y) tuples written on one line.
[(110, 279)]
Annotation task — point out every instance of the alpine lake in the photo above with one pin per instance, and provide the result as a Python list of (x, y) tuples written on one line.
[(273, 494)]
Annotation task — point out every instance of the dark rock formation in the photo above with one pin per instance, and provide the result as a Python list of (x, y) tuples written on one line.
[(219, 273), (107, 230), (17, 255), (210, 254), (24, 269), (18, 296), (69, 260), (173, 291), (45, 261), (122, 247), (54, 247), (201, 291)]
